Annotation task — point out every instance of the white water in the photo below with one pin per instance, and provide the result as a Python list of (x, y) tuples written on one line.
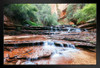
[(49, 45), (69, 29), (86, 30), (56, 29), (69, 45), (77, 30), (28, 63), (58, 52), (51, 29)]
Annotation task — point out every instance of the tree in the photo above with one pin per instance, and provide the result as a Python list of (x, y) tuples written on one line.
[(86, 13), (32, 14), (19, 13), (44, 15), (71, 10)]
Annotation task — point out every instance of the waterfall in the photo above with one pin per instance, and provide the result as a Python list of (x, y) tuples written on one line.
[(48, 43), (51, 29), (62, 45), (56, 29), (69, 29), (70, 45), (56, 52), (64, 52), (86, 30), (77, 30), (51, 43)]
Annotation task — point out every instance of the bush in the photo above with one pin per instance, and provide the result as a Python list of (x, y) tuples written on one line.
[(21, 12), (31, 23), (32, 14), (44, 15), (70, 11), (86, 13), (51, 20)]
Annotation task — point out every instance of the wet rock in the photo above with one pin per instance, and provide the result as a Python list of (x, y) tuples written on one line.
[(57, 48)]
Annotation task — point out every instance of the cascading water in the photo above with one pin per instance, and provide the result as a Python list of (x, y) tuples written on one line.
[(64, 49), (70, 45), (63, 53), (62, 45), (51, 43), (51, 29), (56, 29), (77, 30), (48, 45), (59, 52), (59, 28), (69, 29), (86, 30)]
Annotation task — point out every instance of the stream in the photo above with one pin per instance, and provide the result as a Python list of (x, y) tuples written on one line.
[(67, 46)]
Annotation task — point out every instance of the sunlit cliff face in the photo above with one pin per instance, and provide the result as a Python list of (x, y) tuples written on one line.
[(58, 8)]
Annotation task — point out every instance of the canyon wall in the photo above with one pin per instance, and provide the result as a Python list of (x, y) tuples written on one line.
[(7, 21), (59, 9)]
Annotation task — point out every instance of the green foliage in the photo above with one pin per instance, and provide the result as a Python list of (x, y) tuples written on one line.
[(71, 10), (86, 13), (21, 12), (51, 20), (32, 14), (18, 28), (73, 25), (31, 23), (44, 15)]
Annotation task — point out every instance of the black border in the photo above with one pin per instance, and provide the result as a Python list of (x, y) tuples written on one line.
[(48, 1), (2, 2)]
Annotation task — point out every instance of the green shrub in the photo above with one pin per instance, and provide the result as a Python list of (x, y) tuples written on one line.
[(70, 11), (86, 13), (44, 15), (33, 14), (51, 20), (32, 23), (21, 12)]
